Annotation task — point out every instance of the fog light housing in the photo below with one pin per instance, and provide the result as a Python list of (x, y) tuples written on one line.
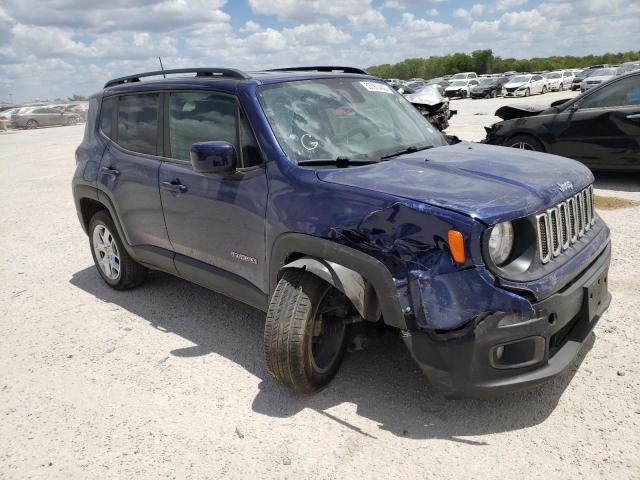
[(518, 354)]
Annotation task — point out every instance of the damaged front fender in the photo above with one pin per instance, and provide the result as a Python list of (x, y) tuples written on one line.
[(450, 300)]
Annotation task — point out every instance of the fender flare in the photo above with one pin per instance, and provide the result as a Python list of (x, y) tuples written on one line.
[(380, 294), (351, 283)]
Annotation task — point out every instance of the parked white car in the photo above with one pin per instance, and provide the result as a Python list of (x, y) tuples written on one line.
[(559, 80), (459, 88), (525, 85), (464, 76), (599, 76)]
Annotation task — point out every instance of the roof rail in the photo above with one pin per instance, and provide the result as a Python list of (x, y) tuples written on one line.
[(200, 72), (327, 68)]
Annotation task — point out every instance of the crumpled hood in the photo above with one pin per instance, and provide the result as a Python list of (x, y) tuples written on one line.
[(426, 96), (486, 182)]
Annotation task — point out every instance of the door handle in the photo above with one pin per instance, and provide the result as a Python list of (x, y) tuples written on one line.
[(634, 116), (174, 187), (114, 172)]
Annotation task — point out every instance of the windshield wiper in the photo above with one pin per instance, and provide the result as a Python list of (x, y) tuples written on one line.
[(406, 150), (338, 161)]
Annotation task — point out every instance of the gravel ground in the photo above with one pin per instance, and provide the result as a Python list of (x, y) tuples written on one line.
[(168, 380)]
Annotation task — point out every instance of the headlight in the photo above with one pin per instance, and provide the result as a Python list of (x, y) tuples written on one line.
[(501, 242)]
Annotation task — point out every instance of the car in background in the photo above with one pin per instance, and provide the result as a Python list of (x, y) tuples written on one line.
[(629, 67), (525, 85), (579, 77), (443, 82), (433, 105), (460, 88), (600, 128), (488, 87), (599, 76), (464, 76), (559, 80), (34, 117)]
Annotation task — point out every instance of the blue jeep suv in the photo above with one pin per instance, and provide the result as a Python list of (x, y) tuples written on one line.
[(322, 197)]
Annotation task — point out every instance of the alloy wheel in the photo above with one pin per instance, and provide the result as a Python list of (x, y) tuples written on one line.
[(522, 146), (106, 251)]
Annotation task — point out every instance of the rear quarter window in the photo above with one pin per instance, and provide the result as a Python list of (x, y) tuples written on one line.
[(106, 116)]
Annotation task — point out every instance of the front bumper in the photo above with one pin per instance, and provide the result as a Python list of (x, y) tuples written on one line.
[(516, 93), (534, 350)]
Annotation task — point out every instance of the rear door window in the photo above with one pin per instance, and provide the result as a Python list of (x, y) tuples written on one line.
[(138, 123)]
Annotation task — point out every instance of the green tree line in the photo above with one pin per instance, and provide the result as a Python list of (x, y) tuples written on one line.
[(484, 61)]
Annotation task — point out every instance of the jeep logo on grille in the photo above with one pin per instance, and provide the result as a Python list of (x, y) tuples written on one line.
[(565, 186)]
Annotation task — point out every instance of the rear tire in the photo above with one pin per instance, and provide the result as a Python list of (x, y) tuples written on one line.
[(494, 93), (114, 264), (544, 89), (304, 339), (525, 142)]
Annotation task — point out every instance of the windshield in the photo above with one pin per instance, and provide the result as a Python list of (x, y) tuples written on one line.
[(603, 72), (324, 119), (458, 76), (485, 82), (520, 79), (458, 83), (553, 75)]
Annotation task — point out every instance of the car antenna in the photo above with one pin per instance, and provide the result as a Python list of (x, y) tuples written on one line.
[(161, 67)]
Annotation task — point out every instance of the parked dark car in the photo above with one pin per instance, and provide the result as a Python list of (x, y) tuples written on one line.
[(600, 128), (579, 77), (34, 117), (321, 196), (488, 87)]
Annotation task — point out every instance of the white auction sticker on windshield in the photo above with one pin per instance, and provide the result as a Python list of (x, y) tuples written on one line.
[(376, 87)]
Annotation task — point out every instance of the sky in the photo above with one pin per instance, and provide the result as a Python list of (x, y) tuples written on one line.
[(54, 48)]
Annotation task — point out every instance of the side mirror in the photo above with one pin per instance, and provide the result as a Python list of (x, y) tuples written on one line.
[(213, 157)]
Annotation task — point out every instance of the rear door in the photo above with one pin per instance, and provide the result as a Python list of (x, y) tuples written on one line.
[(604, 130), (217, 219), (129, 168)]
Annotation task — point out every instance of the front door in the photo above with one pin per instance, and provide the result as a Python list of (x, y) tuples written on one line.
[(604, 131), (212, 218)]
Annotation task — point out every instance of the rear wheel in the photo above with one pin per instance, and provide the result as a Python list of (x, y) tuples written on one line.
[(494, 93), (305, 333), (31, 124), (544, 89), (114, 264), (525, 142)]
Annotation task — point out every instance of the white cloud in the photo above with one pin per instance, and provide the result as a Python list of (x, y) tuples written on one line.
[(509, 4), (462, 14), (433, 12), (478, 9), (309, 10), (250, 27)]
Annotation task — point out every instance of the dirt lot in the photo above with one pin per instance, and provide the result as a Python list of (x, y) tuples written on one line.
[(168, 380)]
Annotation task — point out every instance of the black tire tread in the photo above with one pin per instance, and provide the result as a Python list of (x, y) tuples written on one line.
[(288, 326)]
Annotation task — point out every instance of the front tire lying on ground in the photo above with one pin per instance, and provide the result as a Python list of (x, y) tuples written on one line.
[(114, 264), (305, 333)]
